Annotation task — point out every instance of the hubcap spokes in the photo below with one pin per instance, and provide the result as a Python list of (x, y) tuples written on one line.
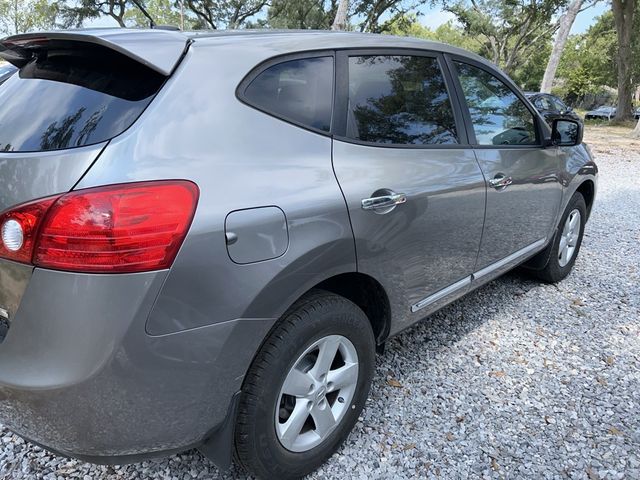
[(569, 238), (316, 393)]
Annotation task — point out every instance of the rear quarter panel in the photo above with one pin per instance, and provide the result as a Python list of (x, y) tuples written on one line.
[(240, 158)]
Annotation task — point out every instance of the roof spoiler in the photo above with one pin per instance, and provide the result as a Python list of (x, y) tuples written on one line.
[(160, 50)]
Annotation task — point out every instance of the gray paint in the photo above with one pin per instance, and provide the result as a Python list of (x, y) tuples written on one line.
[(111, 365), (14, 278), (256, 234), (27, 176), (524, 212), (158, 49), (88, 380), (425, 244)]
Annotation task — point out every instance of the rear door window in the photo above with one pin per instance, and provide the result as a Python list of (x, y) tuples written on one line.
[(399, 100), (300, 91), (71, 95)]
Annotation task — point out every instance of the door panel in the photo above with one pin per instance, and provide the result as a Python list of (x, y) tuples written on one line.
[(524, 211), (415, 195), (427, 243), (523, 185)]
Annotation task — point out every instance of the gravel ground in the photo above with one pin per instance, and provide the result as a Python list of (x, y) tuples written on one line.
[(518, 380)]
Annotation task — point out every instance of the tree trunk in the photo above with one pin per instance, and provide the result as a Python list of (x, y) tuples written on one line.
[(636, 132), (566, 22), (623, 12), (340, 22)]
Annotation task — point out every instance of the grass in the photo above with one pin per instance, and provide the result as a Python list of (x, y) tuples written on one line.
[(602, 137)]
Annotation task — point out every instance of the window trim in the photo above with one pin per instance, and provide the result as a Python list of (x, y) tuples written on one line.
[(540, 137), (272, 61), (342, 93)]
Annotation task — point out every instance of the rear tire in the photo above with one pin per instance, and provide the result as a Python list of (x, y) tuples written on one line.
[(275, 397), (564, 249)]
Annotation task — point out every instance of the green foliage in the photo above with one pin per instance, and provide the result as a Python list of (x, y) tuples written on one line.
[(510, 31), (20, 16), (301, 14), (75, 12), (589, 60), (528, 73), (163, 12), (410, 26), (215, 14), (371, 13)]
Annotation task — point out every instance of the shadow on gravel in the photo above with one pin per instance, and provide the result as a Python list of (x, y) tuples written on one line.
[(447, 326)]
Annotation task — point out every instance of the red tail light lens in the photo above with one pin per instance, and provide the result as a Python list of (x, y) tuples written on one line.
[(132, 227), (19, 228)]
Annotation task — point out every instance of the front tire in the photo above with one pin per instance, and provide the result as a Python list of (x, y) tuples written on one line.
[(566, 242), (306, 387)]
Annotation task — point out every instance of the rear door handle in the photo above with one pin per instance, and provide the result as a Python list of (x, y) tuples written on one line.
[(500, 182), (384, 203)]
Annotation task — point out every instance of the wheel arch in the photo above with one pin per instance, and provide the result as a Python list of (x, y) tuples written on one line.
[(588, 190), (368, 294)]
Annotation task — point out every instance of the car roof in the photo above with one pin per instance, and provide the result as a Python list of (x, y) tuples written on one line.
[(295, 40), (160, 48)]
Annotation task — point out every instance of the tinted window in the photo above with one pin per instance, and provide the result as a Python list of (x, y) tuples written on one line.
[(399, 100), (557, 104), (297, 90), (542, 103), (498, 116), (70, 97)]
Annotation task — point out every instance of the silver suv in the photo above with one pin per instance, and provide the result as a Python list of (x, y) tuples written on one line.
[(206, 237)]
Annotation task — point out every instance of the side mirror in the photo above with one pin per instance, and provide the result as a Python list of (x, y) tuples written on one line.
[(566, 133)]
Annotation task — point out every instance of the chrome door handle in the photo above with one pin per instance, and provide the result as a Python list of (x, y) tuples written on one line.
[(500, 181), (384, 201)]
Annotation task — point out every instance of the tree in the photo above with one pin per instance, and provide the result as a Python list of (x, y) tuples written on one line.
[(410, 26), (593, 53), (340, 21), (74, 13), (20, 16), (623, 13), (589, 62), (565, 24), (373, 11), (224, 13), (509, 30), (163, 12), (302, 14)]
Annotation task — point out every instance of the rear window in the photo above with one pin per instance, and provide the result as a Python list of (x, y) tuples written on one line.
[(69, 96), (300, 91)]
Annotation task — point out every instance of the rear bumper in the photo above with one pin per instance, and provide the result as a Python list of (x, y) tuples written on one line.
[(79, 375)]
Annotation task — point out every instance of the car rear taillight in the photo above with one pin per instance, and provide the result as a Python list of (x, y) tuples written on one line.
[(131, 227), (19, 227)]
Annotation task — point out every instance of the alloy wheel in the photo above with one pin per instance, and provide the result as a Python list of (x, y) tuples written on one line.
[(569, 237), (316, 393)]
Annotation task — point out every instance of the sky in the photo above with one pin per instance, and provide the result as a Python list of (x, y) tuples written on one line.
[(433, 17)]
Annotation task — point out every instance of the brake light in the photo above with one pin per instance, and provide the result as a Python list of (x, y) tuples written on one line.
[(131, 227), (19, 227)]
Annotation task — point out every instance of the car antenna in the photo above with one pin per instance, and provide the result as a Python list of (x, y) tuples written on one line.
[(145, 13)]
